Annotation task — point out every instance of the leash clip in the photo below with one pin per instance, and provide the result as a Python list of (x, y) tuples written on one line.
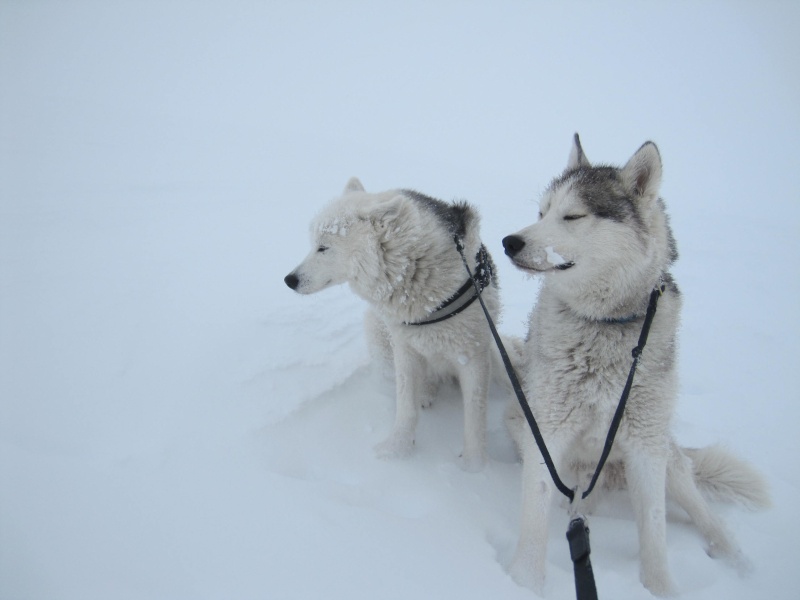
[(575, 504)]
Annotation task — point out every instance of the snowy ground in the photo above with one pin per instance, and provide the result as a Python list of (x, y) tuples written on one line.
[(175, 423)]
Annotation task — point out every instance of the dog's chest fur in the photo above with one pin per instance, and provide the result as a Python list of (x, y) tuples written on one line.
[(578, 369)]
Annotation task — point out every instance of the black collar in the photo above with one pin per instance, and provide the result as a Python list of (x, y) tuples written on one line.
[(620, 321), (660, 286), (465, 295)]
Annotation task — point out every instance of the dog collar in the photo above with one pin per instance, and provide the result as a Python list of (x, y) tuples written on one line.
[(620, 321), (465, 295), (661, 287)]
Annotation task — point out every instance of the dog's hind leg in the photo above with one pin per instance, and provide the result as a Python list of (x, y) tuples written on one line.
[(429, 388), (473, 377), (681, 488), (409, 373), (646, 469)]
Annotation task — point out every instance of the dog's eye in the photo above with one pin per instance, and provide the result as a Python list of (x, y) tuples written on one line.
[(540, 214), (322, 249), (573, 217)]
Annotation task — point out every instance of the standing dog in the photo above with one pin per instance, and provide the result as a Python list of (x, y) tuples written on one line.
[(396, 250), (602, 244)]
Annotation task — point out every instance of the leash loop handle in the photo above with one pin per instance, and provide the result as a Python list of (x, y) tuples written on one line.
[(579, 551)]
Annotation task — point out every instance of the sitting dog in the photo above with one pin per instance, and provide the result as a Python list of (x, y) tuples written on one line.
[(396, 250), (602, 243)]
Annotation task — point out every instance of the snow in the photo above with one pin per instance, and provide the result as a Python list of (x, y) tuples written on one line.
[(176, 423), (553, 257)]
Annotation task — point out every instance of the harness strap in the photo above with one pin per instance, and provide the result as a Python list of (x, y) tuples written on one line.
[(461, 300)]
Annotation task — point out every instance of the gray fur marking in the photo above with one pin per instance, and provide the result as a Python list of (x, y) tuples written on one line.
[(455, 216)]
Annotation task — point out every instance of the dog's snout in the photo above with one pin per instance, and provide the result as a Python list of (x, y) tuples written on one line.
[(513, 244), (291, 280)]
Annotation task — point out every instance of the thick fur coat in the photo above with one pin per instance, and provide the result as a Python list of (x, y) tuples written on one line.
[(602, 243), (396, 250)]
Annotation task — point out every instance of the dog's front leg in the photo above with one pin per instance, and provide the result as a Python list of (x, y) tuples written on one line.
[(646, 470), (473, 376), (528, 565), (409, 375)]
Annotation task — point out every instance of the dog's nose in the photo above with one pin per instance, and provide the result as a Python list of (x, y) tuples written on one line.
[(513, 244), (291, 280)]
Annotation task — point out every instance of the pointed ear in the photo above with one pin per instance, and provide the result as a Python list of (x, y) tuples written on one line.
[(642, 173), (576, 156), (353, 185)]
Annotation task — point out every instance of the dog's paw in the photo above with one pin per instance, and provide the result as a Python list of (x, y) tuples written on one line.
[(737, 559), (472, 463), (744, 567), (732, 555), (523, 573), (395, 446), (659, 584)]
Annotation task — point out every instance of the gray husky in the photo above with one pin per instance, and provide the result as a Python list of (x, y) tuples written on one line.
[(602, 243), (396, 250)]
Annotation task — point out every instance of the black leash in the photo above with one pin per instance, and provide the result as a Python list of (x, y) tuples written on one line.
[(637, 354), (578, 531)]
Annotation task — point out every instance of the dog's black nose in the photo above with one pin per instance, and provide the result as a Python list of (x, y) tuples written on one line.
[(291, 280), (513, 244)]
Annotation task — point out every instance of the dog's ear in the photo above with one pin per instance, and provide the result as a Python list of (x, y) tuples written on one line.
[(577, 158), (389, 210), (353, 185), (642, 173)]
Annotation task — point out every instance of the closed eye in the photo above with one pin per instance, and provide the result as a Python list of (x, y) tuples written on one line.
[(573, 217), (322, 249)]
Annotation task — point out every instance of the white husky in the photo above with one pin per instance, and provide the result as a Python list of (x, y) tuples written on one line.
[(602, 243), (396, 250)]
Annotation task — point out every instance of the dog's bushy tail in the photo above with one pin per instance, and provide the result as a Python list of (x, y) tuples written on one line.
[(723, 477)]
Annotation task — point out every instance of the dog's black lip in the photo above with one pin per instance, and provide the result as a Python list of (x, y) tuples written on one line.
[(561, 267)]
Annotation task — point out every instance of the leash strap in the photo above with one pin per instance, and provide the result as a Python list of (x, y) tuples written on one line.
[(637, 353), (537, 435)]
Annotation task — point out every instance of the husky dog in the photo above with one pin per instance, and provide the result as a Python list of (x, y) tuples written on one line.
[(602, 243), (397, 251)]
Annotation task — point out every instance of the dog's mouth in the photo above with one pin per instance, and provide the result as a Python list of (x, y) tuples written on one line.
[(537, 269)]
